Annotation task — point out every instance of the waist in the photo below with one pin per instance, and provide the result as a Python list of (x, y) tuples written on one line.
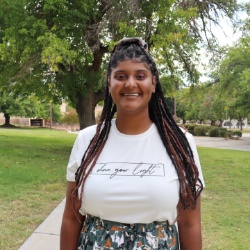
[(124, 227)]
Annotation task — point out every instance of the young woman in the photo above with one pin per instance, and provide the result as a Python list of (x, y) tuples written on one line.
[(134, 182)]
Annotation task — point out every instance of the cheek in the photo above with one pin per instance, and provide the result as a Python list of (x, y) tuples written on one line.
[(115, 86), (113, 92)]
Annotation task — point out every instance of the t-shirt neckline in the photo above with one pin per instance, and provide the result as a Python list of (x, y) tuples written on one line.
[(148, 132)]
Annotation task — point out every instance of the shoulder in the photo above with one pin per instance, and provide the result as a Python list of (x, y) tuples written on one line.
[(188, 135), (85, 135), (185, 131), (88, 131)]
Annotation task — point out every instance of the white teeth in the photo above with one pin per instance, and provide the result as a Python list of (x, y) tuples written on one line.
[(135, 94)]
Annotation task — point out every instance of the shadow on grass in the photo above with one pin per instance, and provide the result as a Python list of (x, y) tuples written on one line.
[(9, 126)]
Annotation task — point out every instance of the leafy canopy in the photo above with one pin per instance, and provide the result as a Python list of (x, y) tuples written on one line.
[(58, 48)]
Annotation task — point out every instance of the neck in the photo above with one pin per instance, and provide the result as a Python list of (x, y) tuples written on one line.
[(133, 125)]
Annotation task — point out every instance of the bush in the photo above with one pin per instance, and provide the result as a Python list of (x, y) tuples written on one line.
[(190, 128), (218, 132), (237, 133), (230, 134), (214, 132), (234, 134), (201, 130), (223, 132), (70, 117)]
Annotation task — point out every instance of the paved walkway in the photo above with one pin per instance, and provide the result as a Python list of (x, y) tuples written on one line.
[(46, 236), (216, 142)]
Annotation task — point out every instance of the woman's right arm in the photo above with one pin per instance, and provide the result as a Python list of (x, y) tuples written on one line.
[(71, 226)]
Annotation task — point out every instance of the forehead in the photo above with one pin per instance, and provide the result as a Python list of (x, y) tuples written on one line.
[(132, 65)]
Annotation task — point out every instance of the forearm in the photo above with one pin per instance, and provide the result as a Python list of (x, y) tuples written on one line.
[(190, 237), (189, 226), (70, 232)]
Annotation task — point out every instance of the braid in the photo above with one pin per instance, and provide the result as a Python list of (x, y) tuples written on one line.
[(176, 145), (172, 136), (175, 141), (94, 150)]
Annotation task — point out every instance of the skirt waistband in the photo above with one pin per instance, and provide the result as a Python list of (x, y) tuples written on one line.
[(124, 227), (99, 234)]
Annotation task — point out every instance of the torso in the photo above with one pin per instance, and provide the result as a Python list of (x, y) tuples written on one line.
[(134, 180)]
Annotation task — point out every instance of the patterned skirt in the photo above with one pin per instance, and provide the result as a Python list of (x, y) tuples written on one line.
[(103, 235)]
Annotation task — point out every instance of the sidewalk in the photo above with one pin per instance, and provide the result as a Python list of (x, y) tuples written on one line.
[(46, 236), (242, 144)]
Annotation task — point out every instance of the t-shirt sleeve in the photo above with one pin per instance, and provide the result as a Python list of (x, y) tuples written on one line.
[(80, 146), (74, 161), (196, 156)]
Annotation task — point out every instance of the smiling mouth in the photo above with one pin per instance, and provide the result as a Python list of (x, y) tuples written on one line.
[(132, 94)]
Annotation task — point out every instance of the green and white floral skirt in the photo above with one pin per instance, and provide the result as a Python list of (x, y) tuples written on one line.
[(103, 235)]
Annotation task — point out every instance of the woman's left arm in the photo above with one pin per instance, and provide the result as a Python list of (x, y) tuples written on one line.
[(189, 226)]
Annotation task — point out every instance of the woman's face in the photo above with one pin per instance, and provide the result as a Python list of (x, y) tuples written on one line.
[(131, 85)]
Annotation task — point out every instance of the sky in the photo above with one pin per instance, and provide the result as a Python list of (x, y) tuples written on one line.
[(227, 36)]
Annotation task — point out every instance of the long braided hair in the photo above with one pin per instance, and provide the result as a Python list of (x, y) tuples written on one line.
[(172, 136)]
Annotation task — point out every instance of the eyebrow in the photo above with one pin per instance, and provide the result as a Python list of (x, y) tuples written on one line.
[(122, 71)]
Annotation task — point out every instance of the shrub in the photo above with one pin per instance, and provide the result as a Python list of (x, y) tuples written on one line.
[(214, 132), (230, 133), (237, 133), (234, 134), (201, 130), (70, 117), (218, 132), (223, 132), (190, 128)]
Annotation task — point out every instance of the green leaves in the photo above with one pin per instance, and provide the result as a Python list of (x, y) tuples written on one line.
[(70, 40), (26, 106), (234, 76), (56, 51)]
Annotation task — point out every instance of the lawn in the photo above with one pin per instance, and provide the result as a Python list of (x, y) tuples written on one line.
[(225, 200), (32, 184), (32, 179)]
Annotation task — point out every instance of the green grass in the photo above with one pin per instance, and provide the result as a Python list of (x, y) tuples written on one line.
[(225, 200), (32, 183), (32, 179)]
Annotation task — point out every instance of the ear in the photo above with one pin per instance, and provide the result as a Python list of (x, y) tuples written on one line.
[(153, 84)]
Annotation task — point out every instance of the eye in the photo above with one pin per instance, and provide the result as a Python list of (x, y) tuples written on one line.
[(121, 77), (140, 77)]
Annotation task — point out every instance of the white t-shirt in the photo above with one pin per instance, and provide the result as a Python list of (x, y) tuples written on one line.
[(134, 180)]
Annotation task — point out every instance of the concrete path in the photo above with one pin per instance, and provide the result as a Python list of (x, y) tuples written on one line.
[(216, 142), (46, 236)]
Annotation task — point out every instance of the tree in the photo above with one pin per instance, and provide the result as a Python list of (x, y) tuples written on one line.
[(202, 102), (25, 106), (189, 103), (232, 77), (70, 117), (59, 47)]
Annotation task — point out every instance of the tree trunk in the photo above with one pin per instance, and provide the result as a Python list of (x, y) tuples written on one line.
[(220, 124), (85, 108), (240, 121), (7, 120)]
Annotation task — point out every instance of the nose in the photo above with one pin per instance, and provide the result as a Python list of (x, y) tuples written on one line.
[(131, 82)]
